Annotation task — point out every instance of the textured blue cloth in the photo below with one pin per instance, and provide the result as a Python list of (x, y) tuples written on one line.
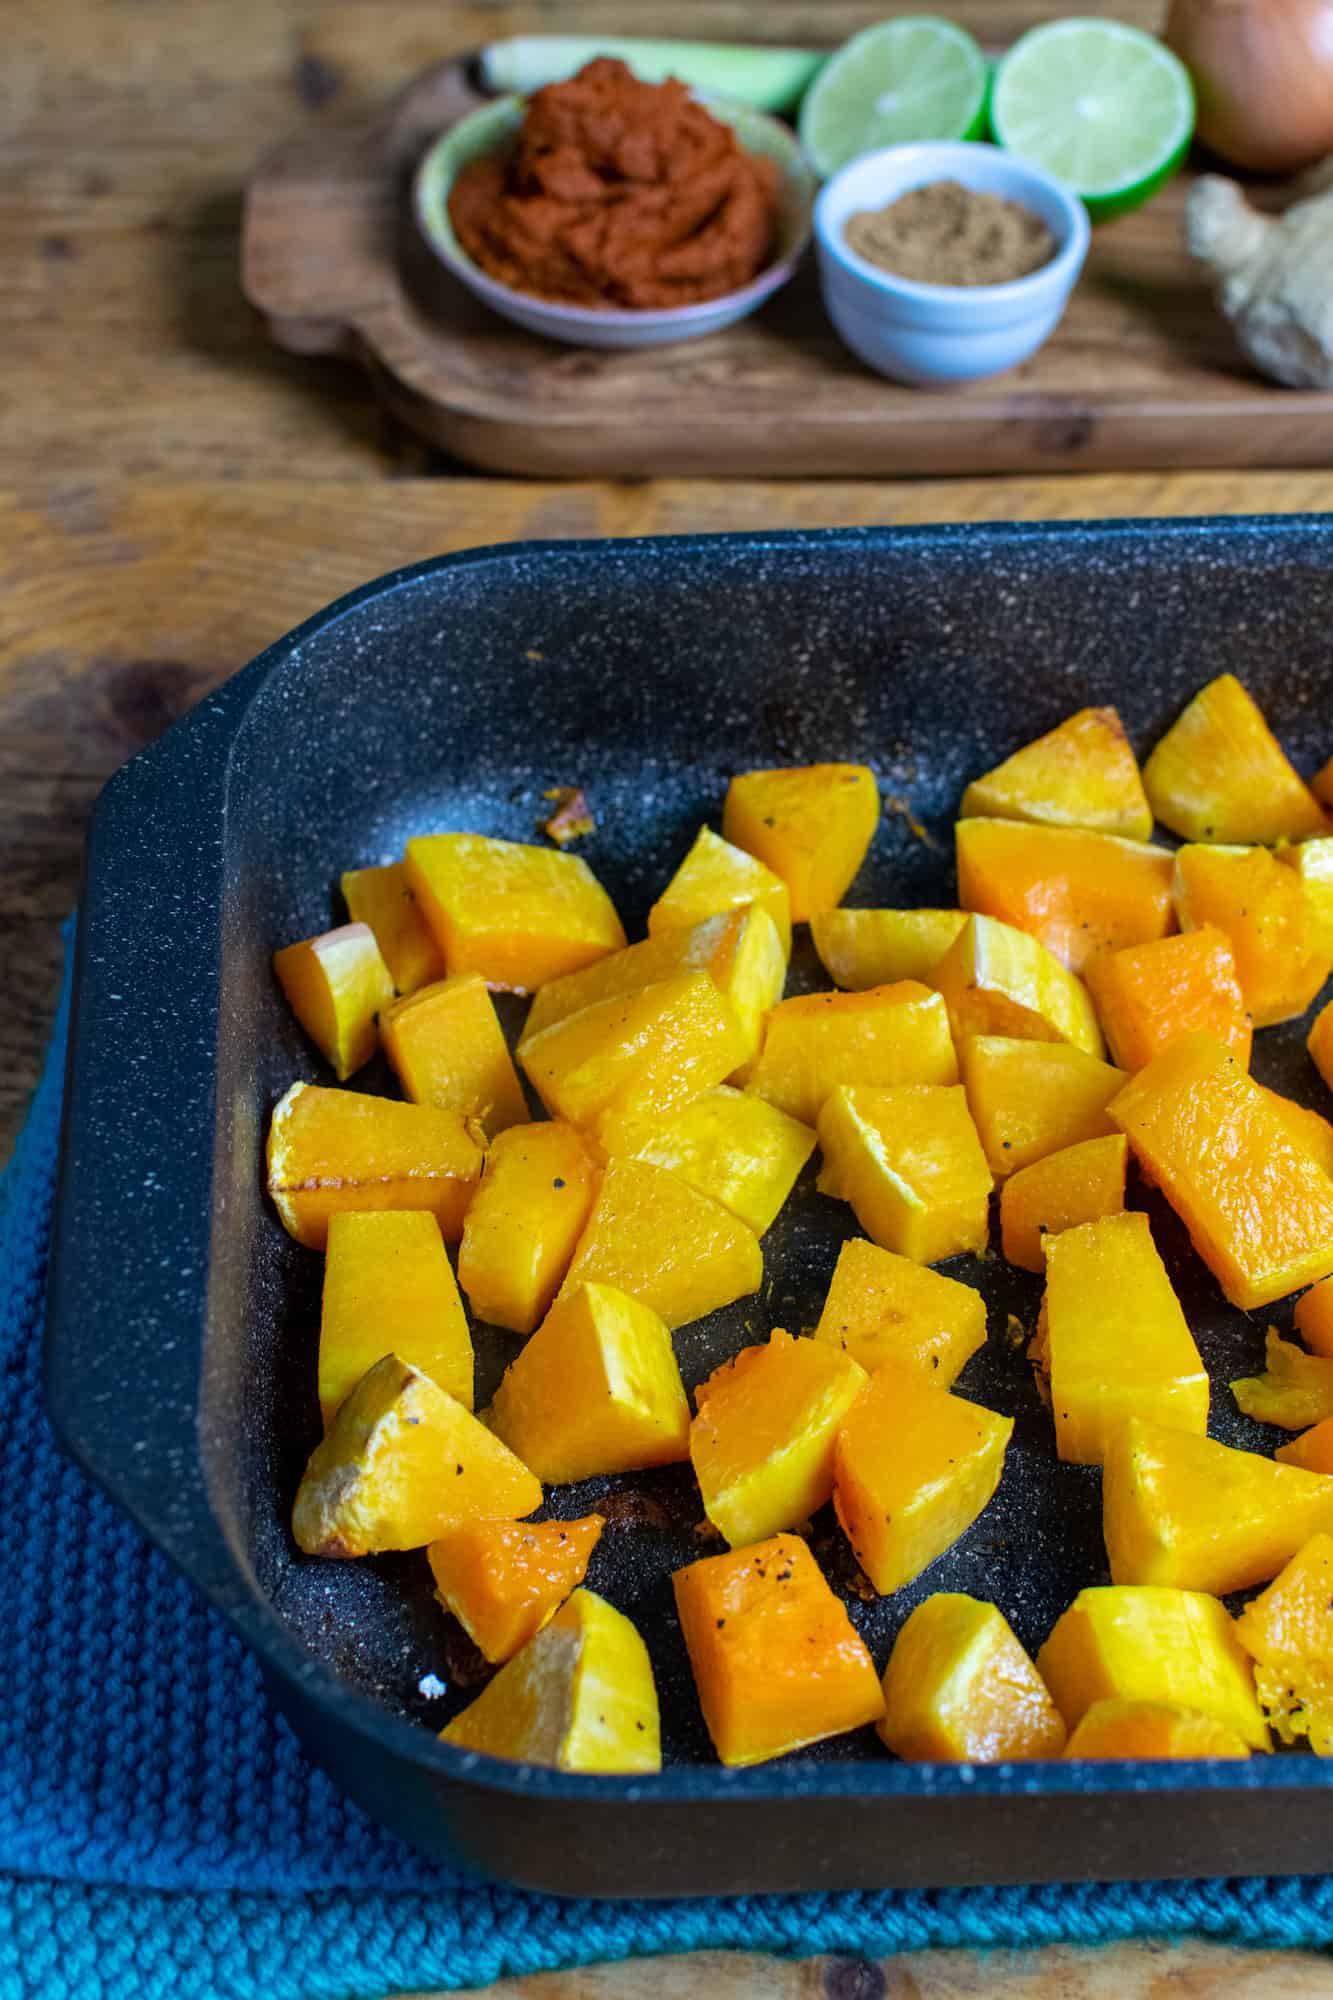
[(162, 1834)]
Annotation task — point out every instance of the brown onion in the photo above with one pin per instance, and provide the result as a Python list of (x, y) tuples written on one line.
[(1263, 74)]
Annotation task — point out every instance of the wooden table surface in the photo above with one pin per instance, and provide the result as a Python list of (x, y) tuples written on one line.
[(176, 494)]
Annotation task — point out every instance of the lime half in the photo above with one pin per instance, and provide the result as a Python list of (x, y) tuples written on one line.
[(1105, 108), (913, 78)]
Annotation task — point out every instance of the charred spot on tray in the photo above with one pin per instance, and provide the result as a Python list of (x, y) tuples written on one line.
[(57, 249), (317, 81), (854, 1979)]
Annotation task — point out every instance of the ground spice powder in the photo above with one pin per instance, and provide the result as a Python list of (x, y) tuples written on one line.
[(947, 234)]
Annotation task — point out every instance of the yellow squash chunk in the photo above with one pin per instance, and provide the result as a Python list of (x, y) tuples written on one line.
[(1186, 1510), (1314, 1317), (1312, 1451), (1078, 892), (1116, 1728), (959, 1689), (1076, 1185), (1288, 1631), (1219, 773), (1258, 1209), (1264, 911), (504, 1580), (1313, 863), (1294, 1391), (518, 915), (654, 1236), (863, 948), (762, 1442), (1081, 774), (330, 1150), (716, 876), (1153, 993), (595, 1390), (579, 1696), (1029, 1099), (525, 1219), (337, 986), (448, 1049), (404, 1463), (885, 1308), (1319, 1042), (889, 1035), (910, 1163), (737, 1148), (1142, 1644), (1117, 1342), (913, 1468), (389, 1289), (382, 898), (1311, 1132), (777, 1661), (999, 981), (811, 825)]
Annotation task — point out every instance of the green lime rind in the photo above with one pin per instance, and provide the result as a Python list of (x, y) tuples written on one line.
[(911, 78)]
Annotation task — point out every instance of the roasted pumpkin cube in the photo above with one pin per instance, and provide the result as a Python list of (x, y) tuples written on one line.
[(1076, 1185), (1288, 1632), (519, 1235), (1312, 1450), (504, 1580), (1314, 1317), (1319, 1042), (337, 985), (662, 1241), (1030, 1099), (519, 915), (1219, 773), (382, 898), (1078, 892), (1312, 861), (959, 1689), (579, 1696), (885, 1308), (999, 981), (863, 948), (403, 1463), (737, 1148), (913, 1467), (1311, 1132), (389, 1289), (910, 1163), (1117, 1343), (889, 1035), (1151, 994), (1082, 774), (1258, 1208), (595, 1390), (330, 1150), (1322, 784), (777, 1661), (810, 824), (716, 876), (1294, 1391), (447, 1047), (1264, 911), (762, 1441), (1151, 1644), (1188, 1511), (1152, 1729)]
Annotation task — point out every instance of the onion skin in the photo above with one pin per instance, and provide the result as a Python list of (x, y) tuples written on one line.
[(1263, 76)]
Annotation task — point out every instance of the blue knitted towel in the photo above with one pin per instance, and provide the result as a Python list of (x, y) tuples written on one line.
[(162, 1834)]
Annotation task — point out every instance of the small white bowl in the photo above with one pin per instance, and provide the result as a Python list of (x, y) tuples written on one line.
[(933, 335), (494, 126)]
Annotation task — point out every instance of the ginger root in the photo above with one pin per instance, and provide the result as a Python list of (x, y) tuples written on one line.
[(1275, 277)]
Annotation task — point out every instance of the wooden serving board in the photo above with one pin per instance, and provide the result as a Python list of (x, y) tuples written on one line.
[(1142, 373)]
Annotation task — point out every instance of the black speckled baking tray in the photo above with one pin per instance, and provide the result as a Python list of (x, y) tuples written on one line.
[(182, 1322)]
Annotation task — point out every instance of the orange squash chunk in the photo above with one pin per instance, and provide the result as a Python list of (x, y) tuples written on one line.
[(1029, 1099), (1312, 862), (911, 1165), (1295, 1390), (715, 876), (504, 1580), (863, 948), (1288, 1631), (654, 1236), (1258, 1209), (330, 1150), (337, 986), (1265, 912), (1152, 1729), (1311, 1132), (1219, 773), (890, 1035), (1319, 1042), (885, 1308), (913, 1468), (1150, 994), (1314, 1317), (810, 824), (389, 1289), (518, 915), (762, 1441), (1078, 892), (999, 981), (737, 1148), (1081, 774), (1076, 1185), (1312, 1450), (526, 1217), (448, 1049), (959, 1689), (382, 898), (777, 1661)]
